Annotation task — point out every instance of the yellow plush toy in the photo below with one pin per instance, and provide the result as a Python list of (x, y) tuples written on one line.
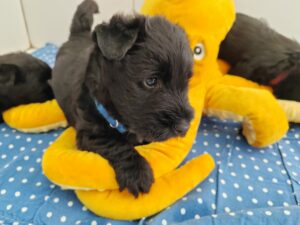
[(291, 108), (206, 23)]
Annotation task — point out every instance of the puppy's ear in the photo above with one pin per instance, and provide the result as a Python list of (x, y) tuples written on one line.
[(8, 75), (118, 36)]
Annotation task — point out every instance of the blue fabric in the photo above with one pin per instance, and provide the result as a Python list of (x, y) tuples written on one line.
[(248, 186)]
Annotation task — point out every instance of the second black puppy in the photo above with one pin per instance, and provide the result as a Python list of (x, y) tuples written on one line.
[(138, 68), (259, 53)]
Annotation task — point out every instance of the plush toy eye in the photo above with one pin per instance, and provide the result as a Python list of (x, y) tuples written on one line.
[(151, 82), (199, 52)]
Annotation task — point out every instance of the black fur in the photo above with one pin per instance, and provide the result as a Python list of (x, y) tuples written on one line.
[(112, 66), (23, 79), (257, 52)]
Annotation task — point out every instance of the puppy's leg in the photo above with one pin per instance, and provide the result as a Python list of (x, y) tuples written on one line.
[(94, 134)]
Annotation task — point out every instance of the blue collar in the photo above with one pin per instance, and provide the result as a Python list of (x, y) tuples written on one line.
[(112, 122)]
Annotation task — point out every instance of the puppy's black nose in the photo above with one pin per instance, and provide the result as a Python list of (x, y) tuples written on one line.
[(182, 127)]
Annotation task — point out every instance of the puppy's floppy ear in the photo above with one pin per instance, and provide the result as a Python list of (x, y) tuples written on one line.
[(118, 36), (8, 75)]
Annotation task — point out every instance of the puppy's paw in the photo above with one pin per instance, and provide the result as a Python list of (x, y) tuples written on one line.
[(135, 174)]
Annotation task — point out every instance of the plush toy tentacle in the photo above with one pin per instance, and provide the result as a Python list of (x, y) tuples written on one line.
[(264, 121), (35, 117), (164, 192)]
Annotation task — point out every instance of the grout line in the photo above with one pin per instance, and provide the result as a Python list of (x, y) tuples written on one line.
[(26, 25)]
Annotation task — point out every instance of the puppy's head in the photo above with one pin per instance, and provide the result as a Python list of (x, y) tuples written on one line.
[(146, 64)]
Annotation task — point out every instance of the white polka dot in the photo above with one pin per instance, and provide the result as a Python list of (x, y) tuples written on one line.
[(268, 213), (56, 200), (239, 198), (24, 209), (233, 174), (11, 146), (250, 188), (108, 224), (40, 142), (84, 208), (287, 212), (63, 219), (224, 195), (26, 157), (260, 178), (265, 161), (246, 176), (197, 217), (256, 167), (78, 222), (211, 180), (199, 200), (49, 214), (253, 158), (223, 181), (15, 223), (24, 181), (38, 160), (38, 184), (3, 156), (28, 139), (213, 191), (270, 170), (8, 207), (227, 209), (94, 222), (32, 197), (250, 213), (285, 204), (18, 137), (3, 192), (243, 165), (11, 179), (236, 185), (17, 194), (270, 203), (231, 214), (265, 190), (199, 190), (280, 192), (213, 206), (22, 149), (182, 211), (254, 200), (70, 203), (164, 222), (33, 149), (184, 198), (274, 180), (46, 198)]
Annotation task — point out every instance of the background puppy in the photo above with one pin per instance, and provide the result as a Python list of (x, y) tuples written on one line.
[(260, 54), (138, 67), (23, 79)]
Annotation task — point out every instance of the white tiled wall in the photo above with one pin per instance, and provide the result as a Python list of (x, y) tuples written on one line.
[(49, 20), (13, 36)]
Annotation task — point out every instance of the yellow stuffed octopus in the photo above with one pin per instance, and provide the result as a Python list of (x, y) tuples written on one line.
[(264, 122)]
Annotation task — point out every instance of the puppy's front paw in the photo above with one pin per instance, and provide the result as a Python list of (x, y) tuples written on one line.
[(135, 174)]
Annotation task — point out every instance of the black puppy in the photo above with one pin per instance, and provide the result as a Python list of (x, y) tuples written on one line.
[(23, 79), (138, 68), (257, 52)]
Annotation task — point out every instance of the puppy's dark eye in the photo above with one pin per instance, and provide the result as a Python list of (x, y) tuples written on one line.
[(151, 82)]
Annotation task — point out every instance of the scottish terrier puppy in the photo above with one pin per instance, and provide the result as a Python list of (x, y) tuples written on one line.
[(259, 53), (137, 68), (23, 79)]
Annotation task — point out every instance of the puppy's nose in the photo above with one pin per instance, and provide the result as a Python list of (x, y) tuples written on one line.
[(182, 127)]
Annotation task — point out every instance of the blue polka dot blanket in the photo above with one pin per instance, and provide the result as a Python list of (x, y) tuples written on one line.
[(248, 186)]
